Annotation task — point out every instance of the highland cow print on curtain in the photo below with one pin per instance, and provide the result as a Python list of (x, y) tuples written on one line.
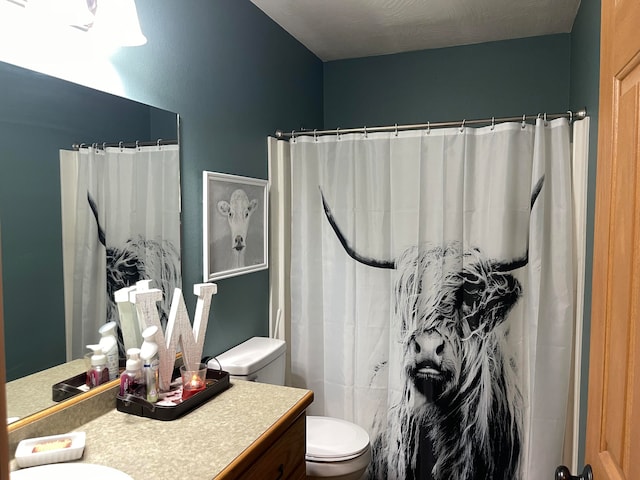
[(432, 294)]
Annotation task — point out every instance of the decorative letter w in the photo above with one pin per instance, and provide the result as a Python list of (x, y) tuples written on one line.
[(179, 328)]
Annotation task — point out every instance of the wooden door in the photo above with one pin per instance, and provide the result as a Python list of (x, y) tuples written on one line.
[(613, 421)]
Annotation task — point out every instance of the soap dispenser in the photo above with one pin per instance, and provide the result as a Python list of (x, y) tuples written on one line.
[(98, 372), (150, 363), (109, 345), (131, 381)]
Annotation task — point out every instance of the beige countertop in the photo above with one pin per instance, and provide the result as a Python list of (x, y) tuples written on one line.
[(33, 393), (199, 445)]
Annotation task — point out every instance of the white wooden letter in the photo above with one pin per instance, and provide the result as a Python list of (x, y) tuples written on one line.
[(179, 328)]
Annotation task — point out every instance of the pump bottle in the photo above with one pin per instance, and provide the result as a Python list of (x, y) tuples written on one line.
[(131, 381), (150, 363), (109, 345), (98, 372)]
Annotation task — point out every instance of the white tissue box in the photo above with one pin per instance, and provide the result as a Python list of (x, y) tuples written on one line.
[(51, 449)]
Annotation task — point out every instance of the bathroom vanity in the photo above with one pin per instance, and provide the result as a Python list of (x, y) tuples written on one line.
[(249, 431)]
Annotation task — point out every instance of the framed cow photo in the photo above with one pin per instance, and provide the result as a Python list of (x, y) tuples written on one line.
[(235, 233)]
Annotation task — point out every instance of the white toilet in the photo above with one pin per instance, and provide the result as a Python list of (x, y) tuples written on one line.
[(336, 449)]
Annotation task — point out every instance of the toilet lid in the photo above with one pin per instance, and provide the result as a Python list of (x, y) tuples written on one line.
[(334, 439)]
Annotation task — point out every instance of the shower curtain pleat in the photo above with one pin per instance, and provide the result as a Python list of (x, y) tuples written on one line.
[(579, 173), (439, 200), (280, 244)]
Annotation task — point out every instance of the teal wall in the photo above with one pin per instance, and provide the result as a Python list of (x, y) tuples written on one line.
[(505, 78)]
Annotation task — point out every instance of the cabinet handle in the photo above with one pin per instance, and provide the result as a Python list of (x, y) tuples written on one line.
[(280, 472)]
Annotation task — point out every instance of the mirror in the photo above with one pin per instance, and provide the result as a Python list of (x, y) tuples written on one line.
[(39, 116)]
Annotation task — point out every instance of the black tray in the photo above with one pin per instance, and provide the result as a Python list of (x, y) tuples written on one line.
[(68, 388), (217, 381)]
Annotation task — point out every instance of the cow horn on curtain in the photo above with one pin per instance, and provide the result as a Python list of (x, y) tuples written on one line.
[(455, 354), (372, 262)]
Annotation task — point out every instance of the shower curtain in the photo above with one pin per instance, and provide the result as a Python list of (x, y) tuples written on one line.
[(121, 224), (432, 292)]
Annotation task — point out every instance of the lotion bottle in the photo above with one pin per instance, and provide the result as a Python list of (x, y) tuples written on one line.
[(109, 345), (131, 380), (149, 356), (98, 372)]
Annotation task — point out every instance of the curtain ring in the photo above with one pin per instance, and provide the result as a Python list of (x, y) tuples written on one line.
[(366, 135), (293, 136), (338, 133), (120, 145), (94, 146), (493, 123), (462, 126), (396, 130), (315, 136), (104, 146), (545, 119), (570, 116), (137, 144), (524, 121), (428, 128)]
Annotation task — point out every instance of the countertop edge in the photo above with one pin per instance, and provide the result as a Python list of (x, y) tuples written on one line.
[(257, 448)]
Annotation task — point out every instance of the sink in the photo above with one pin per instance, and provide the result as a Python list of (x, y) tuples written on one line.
[(69, 471)]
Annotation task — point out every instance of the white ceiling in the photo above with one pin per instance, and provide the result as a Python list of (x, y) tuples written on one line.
[(339, 29)]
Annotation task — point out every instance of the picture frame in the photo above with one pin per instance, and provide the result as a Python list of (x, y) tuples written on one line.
[(235, 225)]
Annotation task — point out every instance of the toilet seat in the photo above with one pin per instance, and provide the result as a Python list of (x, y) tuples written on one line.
[(334, 440)]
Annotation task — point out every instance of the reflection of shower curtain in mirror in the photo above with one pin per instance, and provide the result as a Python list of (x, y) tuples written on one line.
[(121, 224)]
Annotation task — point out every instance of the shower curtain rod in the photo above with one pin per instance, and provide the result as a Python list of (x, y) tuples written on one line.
[(580, 114), (136, 144)]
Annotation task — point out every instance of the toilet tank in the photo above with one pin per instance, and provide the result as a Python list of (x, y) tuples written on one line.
[(259, 359)]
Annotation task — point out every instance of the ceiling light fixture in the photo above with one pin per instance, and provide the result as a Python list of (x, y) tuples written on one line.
[(111, 22), (116, 22)]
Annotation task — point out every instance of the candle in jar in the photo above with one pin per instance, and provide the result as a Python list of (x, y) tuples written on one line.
[(192, 387)]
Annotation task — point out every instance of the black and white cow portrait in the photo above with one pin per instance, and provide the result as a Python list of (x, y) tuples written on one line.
[(460, 414), (238, 211)]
